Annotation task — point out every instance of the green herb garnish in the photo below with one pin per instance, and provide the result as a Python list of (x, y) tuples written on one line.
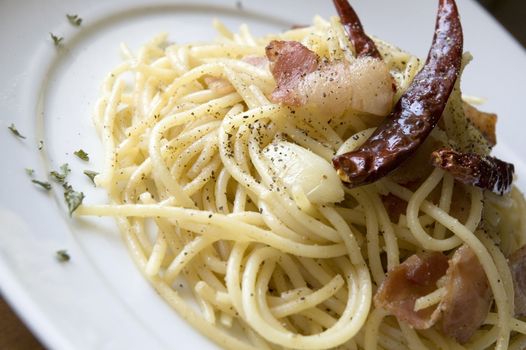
[(61, 176), (74, 20), (73, 199), (40, 145), (91, 174), (57, 40), (62, 255), (82, 155), (30, 172), (65, 169), (15, 131), (44, 185)]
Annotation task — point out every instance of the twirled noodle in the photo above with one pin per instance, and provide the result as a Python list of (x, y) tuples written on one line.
[(201, 209)]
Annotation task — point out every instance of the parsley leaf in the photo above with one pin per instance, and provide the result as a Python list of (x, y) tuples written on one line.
[(44, 185), (58, 177), (57, 40), (15, 131), (62, 255), (74, 20), (73, 199), (61, 176), (65, 169), (82, 155), (91, 174), (30, 172)]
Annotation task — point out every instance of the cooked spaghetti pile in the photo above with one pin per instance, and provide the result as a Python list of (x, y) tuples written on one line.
[(219, 170)]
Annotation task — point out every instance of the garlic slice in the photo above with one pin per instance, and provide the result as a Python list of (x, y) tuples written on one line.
[(301, 169)]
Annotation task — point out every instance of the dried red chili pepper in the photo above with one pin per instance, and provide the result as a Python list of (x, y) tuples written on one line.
[(416, 113), (474, 169), (363, 45)]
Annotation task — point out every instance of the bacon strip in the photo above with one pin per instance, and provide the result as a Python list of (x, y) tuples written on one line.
[(414, 278), (363, 45), (416, 113), (468, 297), (330, 87), (474, 169), (466, 301), (290, 61), (517, 263), (484, 122)]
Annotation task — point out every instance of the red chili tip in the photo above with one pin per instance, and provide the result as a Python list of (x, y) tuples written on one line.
[(473, 169), (363, 45)]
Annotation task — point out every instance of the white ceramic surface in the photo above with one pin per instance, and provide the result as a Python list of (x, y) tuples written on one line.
[(99, 300)]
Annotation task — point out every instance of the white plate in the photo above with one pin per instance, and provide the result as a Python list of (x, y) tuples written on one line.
[(99, 300)]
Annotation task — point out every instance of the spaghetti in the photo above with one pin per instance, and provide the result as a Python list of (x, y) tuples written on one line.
[(219, 192)]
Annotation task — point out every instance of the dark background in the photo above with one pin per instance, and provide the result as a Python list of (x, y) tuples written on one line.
[(511, 14)]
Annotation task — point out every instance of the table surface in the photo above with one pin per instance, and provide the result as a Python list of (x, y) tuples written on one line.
[(15, 335)]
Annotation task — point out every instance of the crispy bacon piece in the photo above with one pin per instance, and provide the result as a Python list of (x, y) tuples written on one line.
[(517, 263), (416, 113), (474, 169), (414, 278), (290, 61), (303, 78), (364, 84), (484, 122), (363, 45), (467, 300)]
